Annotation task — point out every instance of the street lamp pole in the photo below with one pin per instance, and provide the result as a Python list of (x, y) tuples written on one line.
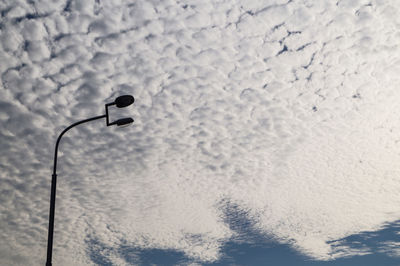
[(120, 102)]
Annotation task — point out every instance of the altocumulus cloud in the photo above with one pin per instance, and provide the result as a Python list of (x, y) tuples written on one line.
[(287, 110)]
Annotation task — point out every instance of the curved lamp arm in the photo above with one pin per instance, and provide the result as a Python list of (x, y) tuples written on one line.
[(65, 130)]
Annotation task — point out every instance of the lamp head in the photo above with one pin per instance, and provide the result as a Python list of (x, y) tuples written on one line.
[(122, 121), (124, 101)]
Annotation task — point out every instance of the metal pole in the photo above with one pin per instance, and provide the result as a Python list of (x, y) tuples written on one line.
[(53, 189)]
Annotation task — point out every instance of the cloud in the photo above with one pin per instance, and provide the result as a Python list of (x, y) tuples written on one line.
[(286, 109), (391, 248)]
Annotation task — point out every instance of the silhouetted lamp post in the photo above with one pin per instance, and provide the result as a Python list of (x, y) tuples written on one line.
[(120, 102)]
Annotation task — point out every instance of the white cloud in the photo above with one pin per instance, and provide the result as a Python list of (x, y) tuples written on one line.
[(288, 110), (391, 248)]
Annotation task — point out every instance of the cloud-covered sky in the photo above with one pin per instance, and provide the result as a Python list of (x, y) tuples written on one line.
[(286, 112)]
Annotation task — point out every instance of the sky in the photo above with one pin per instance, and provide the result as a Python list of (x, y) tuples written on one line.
[(266, 132)]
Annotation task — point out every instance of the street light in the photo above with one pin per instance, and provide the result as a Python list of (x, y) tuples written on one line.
[(120, 102)]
